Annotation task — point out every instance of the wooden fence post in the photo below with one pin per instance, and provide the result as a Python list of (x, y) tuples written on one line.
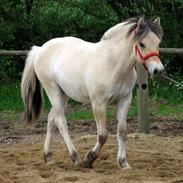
[(142, 99)]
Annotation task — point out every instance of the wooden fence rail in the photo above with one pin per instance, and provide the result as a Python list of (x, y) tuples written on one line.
[(142, 86), (14, 53), (24, 52), (172, 50)]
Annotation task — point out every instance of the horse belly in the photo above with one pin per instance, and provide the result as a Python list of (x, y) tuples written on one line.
[(73, 86), (76, 92)]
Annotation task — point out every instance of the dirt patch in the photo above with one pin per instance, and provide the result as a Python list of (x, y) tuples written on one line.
[(156, 158), (152, 158)]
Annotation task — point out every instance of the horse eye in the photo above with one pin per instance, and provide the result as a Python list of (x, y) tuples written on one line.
[(142, 45)]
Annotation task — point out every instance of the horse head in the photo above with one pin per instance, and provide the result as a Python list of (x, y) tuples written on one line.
[(147, 35)]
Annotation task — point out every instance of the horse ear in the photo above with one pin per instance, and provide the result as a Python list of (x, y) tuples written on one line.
[(157, 21), (140, 23)]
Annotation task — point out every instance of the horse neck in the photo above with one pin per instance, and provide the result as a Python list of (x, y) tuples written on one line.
[(120, 51)]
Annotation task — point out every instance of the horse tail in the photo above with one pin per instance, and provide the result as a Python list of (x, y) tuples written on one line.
[(31, 89)]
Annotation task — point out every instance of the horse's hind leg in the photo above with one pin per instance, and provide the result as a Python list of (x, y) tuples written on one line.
[(58, 100), (47, 154), (99, 111)]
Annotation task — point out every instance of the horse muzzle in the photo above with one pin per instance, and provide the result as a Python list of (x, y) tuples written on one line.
[(155, 69), (159, 72)]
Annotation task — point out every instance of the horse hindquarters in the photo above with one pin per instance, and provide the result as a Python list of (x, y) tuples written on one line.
[(58, 100)]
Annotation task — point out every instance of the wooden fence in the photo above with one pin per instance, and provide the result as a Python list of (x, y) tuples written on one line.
[(142, 87), (24, 52)]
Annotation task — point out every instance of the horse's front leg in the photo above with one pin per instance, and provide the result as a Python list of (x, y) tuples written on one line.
[(122, 111), (99, 111)]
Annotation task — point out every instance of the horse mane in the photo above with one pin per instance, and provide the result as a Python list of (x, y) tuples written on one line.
[(142, 31), (148, 25), (112, 31)]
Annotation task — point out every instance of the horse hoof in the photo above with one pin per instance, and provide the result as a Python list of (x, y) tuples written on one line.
[(124, 167), (50, 163), (127, 167), (89, 159), (48, 158), (123, 164), (75, 158), (78, 163), (85, 164)]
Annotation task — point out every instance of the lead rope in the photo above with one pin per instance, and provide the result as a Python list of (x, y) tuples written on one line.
[(172, 80)]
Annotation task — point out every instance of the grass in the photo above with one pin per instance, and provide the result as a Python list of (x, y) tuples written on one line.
[(9, 115), (10, 98), (85, 113), (169, 110), (164, 101)]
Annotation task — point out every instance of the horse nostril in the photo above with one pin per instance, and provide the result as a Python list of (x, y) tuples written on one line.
[(155, 72)]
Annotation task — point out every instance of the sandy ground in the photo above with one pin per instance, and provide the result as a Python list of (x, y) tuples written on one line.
[(155, 158)]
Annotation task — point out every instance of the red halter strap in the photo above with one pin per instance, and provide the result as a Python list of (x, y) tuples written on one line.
[(145, 57)]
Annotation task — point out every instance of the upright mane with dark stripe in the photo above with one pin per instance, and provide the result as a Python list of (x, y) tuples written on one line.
[(142, 31)]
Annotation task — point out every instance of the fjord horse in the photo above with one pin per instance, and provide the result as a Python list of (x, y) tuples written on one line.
[(98, 73)]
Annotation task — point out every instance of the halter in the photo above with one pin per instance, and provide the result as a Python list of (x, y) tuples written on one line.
[(145, 57)]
